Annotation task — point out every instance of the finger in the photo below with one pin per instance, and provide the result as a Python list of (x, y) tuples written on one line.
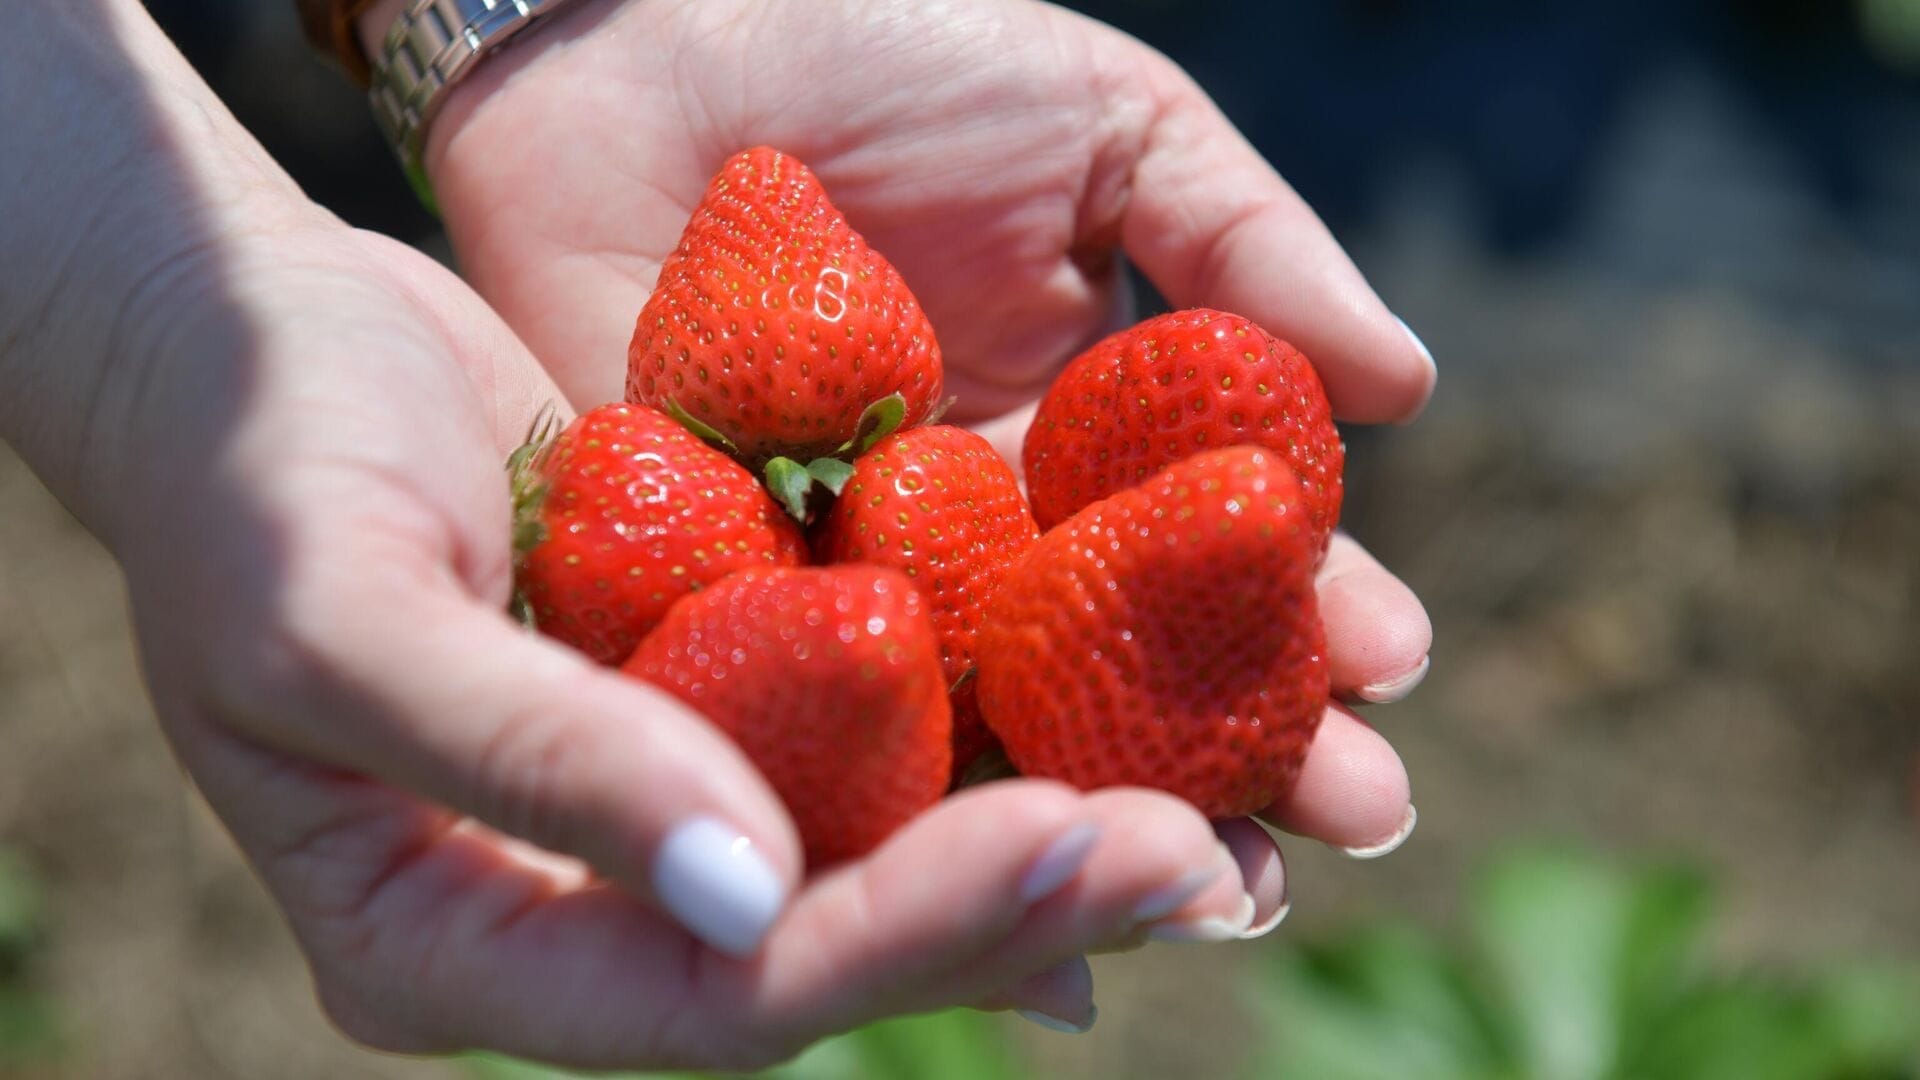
[(530, 738), (1263, 872), (1058, 999), (1378, 635), (1137, 890), (1212, 224), (1352, 792), (972, 898)]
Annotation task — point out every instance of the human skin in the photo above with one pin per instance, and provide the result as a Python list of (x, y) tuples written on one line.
[(288, 432)]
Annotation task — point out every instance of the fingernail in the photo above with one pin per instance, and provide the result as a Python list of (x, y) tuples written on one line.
[(1054, 1023), (1395, 689), (1206, 930), (1059, 862), (1279, 916), (708, 875), (1168, 899), (1425, 354), (1390, 844)]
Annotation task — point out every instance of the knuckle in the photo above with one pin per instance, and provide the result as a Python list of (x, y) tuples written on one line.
[(527, 778)]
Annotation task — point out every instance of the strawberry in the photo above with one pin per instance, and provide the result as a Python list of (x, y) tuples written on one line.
[(829, 679), (940, 505), (1175, 385), (774, 328), (623, 513), (1167, 636)]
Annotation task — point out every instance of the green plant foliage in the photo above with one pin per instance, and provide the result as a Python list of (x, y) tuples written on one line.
[(28, 1027), (1576, 968), (21, 909), (956, 1045)]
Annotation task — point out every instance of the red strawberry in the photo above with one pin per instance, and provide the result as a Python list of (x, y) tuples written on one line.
[(1176, 385), (1167, 636), (625, 512), (940, 505), (774, 324), (829, 679)]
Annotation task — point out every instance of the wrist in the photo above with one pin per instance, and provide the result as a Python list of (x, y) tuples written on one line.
[(122, 184), (425, 55)]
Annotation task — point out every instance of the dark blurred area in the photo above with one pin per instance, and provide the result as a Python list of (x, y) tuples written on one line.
[(1664, 511), (1769, 146)]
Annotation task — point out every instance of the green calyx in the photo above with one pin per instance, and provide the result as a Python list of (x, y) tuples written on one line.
[(797, 487), (877, 421), (527, 489), (702, 430), (527, 481), (802, 489)]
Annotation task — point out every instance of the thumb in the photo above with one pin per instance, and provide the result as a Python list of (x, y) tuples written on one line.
[(444, 696)]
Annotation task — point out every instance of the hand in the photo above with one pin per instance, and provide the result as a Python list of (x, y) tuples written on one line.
[(318, 574), (1004, 154), (301, 429)]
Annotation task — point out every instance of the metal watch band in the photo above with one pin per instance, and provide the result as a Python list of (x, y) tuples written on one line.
[(432, 46)]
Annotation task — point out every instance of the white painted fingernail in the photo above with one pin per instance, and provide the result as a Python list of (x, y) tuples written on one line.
[(1206, 930), (1170, 898), (1054, 1023), (1279, 916), (1390, 844), (708, 875), (1395, 689), (1059, 862), (1425, 353), (1432, 369)]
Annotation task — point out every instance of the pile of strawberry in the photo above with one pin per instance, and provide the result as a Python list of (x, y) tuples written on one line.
[(775, 527)]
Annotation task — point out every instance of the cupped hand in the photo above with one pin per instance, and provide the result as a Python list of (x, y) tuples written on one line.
[(479, 838), (1007, 155)]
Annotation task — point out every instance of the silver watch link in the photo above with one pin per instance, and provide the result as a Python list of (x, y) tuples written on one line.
[(431, 47)]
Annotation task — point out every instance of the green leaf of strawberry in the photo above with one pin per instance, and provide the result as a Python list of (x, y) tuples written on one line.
[(706, 433), (877, 421), (830, 473), (790, 483)]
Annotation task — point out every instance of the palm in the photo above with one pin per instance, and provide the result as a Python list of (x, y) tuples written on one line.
[(364, 689), (1000, 152), (949, 155)]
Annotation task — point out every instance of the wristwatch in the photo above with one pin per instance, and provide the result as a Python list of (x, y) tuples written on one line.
[(431, 47)]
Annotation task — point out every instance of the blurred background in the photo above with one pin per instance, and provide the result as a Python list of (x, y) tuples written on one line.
[(1665, 512)]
